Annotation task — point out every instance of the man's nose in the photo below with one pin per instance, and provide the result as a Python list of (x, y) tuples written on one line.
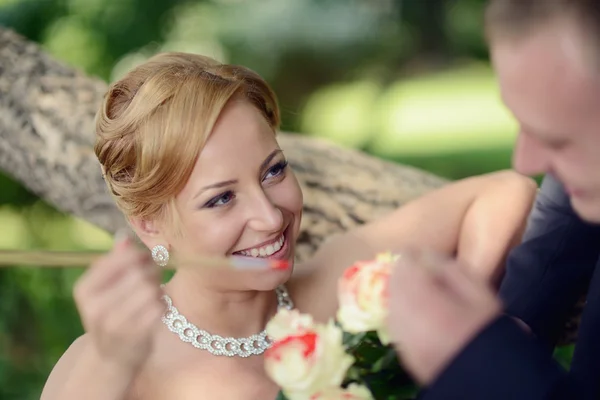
[(530, 157)]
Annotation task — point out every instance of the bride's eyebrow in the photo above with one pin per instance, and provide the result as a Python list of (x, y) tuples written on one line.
[(269, 158), (215, 186), (218, 185)]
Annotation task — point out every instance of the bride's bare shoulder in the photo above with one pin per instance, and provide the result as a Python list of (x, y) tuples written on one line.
[(338, 249), (63, 368), (313, 285), (78, 354)]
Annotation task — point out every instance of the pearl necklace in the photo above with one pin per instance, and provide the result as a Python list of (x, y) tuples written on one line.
[(217, 345)]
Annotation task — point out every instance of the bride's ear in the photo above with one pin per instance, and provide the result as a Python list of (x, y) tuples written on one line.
[(148, 231)]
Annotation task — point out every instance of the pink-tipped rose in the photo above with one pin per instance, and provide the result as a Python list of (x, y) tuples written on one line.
[(363, 298), (310, 361), (288, 323)]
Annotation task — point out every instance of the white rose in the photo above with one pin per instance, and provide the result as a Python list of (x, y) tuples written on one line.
[(363, 296), (309, 362), (287, 323), (352, 392)]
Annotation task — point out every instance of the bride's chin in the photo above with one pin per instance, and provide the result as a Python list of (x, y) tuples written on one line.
[(268, 280)]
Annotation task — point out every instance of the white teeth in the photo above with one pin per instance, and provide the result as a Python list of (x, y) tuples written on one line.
[(266, 250)]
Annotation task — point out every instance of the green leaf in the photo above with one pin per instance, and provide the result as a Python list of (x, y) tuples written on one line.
[(390, 359), (377, 366), (281, 396), (564, 355), (351, 340), (406, 393)]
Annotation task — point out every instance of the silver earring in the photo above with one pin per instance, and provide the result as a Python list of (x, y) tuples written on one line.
[(160, 255)]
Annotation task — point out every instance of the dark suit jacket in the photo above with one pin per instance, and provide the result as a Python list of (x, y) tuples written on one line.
[(556, 263)]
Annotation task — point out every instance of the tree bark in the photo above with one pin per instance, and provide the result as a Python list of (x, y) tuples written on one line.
[(46, 137)]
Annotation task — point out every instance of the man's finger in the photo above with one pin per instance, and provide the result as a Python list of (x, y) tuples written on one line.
[(467, 287), (449, 275), (416, 284)]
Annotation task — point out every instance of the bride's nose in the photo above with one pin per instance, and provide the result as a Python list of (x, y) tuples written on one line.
[(264, 215)]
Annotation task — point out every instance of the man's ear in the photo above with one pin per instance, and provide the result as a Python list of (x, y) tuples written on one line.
[(148, 231)]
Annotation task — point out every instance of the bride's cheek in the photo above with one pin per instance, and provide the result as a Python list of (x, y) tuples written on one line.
[(289, 195)]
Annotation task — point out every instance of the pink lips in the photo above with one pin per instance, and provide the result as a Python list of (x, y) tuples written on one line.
[(282, 253), (280, 257), (574, 192)]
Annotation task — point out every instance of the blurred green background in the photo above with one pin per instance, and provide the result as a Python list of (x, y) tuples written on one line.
[(408, 81)]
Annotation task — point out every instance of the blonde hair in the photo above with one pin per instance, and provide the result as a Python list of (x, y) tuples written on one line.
[(154, 122)]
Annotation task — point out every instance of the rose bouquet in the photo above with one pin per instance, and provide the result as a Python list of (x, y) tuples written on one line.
[(350, 358)]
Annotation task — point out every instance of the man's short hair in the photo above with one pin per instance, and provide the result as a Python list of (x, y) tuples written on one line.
[(516, 18)]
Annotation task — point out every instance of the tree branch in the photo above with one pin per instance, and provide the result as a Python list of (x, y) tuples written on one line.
[(46, 135)]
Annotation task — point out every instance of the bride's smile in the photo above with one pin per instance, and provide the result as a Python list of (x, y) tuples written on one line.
[(274, 248)]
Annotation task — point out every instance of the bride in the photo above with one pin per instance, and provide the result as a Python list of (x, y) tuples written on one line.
[(189, 151)]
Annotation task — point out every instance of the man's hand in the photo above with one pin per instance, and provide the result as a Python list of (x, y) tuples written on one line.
[(436, 308)]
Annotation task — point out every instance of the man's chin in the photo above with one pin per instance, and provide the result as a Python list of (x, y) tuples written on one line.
[(588, 209)]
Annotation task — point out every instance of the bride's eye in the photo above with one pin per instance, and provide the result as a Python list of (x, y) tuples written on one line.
[(220, 200), (276, 170)]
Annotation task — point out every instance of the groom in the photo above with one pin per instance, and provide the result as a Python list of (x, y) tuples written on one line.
[(450, 330)]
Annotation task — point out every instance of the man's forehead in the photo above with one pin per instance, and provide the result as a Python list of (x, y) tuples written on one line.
[(541, 56), (560, 38), (544, 83)]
